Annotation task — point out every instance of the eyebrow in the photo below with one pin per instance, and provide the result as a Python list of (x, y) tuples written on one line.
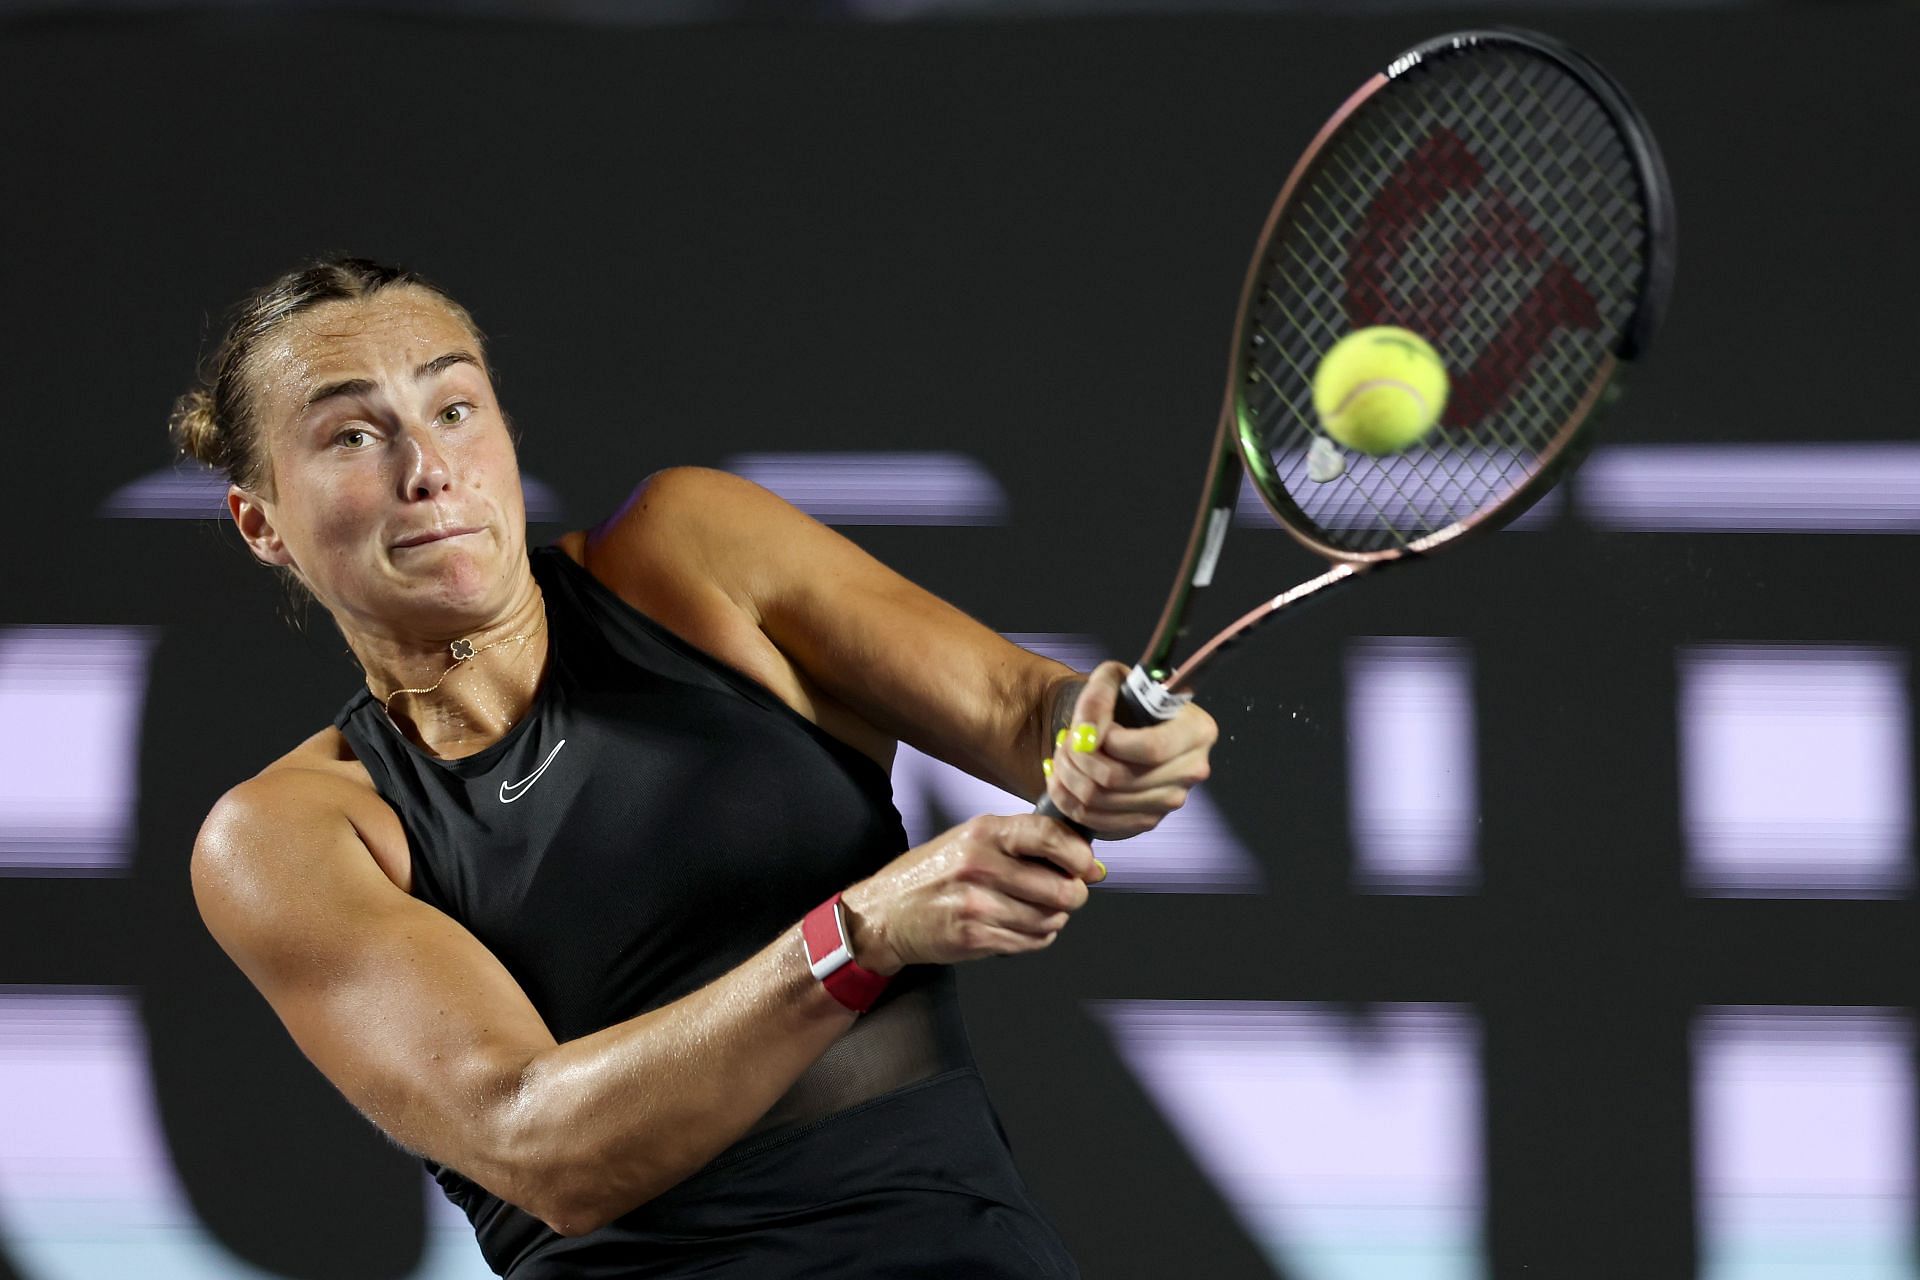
[(361, 386)]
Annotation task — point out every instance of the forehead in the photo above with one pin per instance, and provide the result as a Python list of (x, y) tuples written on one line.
[(385, 336)]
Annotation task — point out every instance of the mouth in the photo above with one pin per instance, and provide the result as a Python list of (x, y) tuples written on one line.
[(435, 535)]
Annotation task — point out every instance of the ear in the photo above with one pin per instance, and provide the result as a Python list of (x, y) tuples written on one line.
[(255, 520)]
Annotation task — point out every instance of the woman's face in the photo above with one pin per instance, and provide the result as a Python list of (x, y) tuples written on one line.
[(382, 429)]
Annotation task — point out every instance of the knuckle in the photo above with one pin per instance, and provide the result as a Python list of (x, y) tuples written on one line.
[(971, 867)]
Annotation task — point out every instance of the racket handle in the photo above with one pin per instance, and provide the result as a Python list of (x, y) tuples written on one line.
[(1143, 702), (1047, 809)]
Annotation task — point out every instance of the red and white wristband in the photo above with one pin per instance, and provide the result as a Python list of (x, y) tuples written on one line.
[(830, 954)]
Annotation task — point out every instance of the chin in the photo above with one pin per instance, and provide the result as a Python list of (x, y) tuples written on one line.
[(453, 574)]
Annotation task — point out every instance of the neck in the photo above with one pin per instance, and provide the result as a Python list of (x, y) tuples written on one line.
[(454, 707)]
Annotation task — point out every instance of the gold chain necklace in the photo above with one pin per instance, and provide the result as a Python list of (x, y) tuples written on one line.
[(463, 650)]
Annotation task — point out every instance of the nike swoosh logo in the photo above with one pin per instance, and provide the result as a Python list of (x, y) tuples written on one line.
[(511, 791)]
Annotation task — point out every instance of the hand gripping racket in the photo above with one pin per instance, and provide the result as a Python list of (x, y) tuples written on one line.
[(1494, 192)]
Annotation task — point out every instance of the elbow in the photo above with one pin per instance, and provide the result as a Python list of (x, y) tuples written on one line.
[(550, 1165), (541, 1178), (558, 1197), (572, 1220), (575, 1204)]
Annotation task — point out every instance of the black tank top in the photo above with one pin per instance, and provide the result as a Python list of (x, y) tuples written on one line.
[(654, 820)]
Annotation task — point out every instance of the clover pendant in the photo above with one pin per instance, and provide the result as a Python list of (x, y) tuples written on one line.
[(462, 650)]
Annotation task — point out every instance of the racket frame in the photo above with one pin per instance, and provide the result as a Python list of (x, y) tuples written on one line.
[(1156, 680)]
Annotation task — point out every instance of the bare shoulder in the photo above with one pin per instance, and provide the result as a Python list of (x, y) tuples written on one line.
[(692, 489), (396, 1003), (681, 529), (319, 782), (666, 551)]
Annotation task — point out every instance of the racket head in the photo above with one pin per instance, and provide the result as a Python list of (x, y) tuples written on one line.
[(1497, 193)]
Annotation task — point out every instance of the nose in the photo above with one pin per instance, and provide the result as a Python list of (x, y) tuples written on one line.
[(426, 471)]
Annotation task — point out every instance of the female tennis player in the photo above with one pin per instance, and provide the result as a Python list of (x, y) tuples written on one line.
[(595, 896)]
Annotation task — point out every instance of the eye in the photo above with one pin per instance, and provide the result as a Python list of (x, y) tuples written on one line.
[(351, 431), (460, 408)]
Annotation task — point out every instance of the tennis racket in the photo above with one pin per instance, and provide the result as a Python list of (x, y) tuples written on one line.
[(1494, 192)]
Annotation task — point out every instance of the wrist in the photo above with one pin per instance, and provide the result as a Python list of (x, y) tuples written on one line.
[(829, 951), (867, 934), (1062, 696)]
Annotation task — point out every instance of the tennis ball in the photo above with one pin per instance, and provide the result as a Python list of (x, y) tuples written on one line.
[(1380, 389)]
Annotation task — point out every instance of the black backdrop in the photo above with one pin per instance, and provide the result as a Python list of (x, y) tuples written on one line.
[(1022, 240)]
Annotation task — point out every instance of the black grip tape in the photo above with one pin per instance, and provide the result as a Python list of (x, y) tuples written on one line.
[(1047, 809)]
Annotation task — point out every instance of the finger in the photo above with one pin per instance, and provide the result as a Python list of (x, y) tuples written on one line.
[(1092, 805), (1073, 795), (1073, 758), (1044, 886), (982, 939), (1122, 826), (1089, 778), (1085, 774), (1015, 941), (1158, 802), (1030, 921), (1093, 709), (1108, 824), (1190, 730), (980, 910), (1032, 836), (1108, 775)]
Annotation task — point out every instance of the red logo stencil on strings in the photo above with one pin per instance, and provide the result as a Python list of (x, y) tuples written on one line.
[(1439, 167)]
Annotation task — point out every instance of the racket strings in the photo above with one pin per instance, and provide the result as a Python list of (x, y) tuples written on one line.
[(1333, 320), (1298, 463), (1589, 221), (1539, 147), (1489, 203), (1482, 256)]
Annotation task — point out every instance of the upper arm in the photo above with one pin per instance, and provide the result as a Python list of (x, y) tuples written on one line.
[(416, 1022), (907, 662)]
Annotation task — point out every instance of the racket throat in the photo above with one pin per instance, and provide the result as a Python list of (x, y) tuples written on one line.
[(1186, 676)]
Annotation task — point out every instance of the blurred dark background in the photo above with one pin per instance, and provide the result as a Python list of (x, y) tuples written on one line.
[(1624, 989)]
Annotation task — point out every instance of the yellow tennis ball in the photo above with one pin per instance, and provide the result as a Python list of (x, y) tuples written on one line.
[(1380, 389)]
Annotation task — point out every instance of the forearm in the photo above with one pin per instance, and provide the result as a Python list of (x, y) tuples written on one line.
[(1010, 729), (602, 1124)]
